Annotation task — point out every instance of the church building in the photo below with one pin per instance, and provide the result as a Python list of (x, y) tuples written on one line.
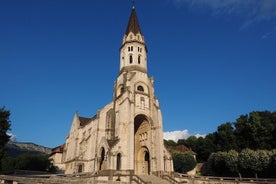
[(127, 134)]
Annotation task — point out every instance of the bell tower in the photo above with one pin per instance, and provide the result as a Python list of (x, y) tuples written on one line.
[(133, 52), (138, 117)]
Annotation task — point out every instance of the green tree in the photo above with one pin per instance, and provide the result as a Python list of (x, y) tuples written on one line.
[(232, 162), (256, 130), (8, 164), (33, 162), (4, 127), (272, 164), (223, 164), (183, 162), (169, 143), (224, 137), (202, 146), (253, 162)]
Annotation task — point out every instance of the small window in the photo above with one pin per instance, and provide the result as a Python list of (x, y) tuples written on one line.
[(131, 48), (130, 59), (128, 48), (140, 88), (80, 168)]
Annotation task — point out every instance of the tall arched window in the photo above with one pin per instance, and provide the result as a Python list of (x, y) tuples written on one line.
[(102, 166), (142, 103), (139, 59), (130, 59), (118, 166)]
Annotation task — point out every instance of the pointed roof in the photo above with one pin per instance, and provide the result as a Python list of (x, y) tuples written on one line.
[(133, 24)]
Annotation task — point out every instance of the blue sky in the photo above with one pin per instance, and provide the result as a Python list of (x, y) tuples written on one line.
[(212, 61)]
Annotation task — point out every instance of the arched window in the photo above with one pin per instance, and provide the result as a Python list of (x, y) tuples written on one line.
[(102, 159), (140, 88), (130, 59), (142, 103), (139, 59), (118, 166)]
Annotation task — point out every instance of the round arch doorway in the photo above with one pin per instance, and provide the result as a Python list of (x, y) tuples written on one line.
[(141, 141), (143, 162)]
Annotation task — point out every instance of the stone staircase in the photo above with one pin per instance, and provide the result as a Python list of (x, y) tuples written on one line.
[(153, 179)]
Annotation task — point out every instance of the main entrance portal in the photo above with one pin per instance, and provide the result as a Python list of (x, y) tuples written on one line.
[(142, 154)]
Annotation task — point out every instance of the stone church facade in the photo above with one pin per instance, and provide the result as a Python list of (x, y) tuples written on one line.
[(127, 134)]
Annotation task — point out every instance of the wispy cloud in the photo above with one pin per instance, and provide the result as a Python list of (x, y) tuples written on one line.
[(251, 11), (270, 34)]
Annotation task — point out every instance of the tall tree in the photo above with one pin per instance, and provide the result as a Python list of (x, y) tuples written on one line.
[(4, 127), (256, 130), (225, 138)]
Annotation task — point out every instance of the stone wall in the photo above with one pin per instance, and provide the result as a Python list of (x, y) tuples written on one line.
[(56, 180)]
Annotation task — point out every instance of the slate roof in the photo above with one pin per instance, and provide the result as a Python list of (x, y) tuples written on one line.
[(133, 24), (84, 121)]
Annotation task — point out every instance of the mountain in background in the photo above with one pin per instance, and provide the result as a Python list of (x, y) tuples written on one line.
[(16, 148)]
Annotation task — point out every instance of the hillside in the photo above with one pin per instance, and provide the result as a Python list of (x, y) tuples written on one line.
[(16, 148)]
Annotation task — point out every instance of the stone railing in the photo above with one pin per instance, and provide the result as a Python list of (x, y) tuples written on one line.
[(171, 179), (139, 180), (107, 176)]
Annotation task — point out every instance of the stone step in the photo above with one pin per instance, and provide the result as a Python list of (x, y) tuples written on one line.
[(154, 179)]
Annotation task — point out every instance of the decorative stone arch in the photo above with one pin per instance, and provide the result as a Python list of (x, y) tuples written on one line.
[(103, 154), (139, 119), (142, 141), (143, 163)]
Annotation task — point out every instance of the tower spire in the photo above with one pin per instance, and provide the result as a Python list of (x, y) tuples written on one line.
[(133, 50), (133, 24)]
